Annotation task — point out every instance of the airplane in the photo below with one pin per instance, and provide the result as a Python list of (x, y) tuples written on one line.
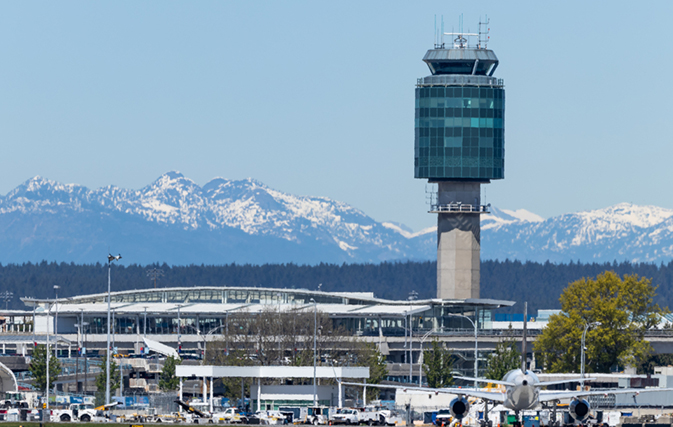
[(522, 390)]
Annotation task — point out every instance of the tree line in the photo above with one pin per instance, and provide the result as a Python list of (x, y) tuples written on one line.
[(540, 284)]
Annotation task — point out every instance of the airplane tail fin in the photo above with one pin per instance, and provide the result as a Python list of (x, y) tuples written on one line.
[(524, 350)]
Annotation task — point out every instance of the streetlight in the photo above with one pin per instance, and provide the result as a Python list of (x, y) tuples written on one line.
[(47, 354), (110, 258), (412, 296), (145, 322), (584, 335), (56, 288), (205, 339), (315, 360), (476, 359), (179, 332), (420, 359)]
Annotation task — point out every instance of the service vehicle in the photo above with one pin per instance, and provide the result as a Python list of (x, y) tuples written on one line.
[(348, 416), (84, 412), (230, 416), (317, 415), (194, 415), (443, 417)]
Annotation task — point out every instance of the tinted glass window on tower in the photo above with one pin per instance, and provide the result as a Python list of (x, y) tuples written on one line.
[(459, 132)]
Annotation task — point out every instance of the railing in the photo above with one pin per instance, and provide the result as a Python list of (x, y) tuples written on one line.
[(16, 328), (460, 208), (460, 79)]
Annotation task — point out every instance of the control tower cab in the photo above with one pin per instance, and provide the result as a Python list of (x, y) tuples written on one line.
[(459, 145)]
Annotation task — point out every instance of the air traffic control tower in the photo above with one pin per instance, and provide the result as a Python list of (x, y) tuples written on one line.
[(459, 145)]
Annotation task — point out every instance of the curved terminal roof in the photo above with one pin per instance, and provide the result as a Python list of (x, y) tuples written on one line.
[(224, 300)]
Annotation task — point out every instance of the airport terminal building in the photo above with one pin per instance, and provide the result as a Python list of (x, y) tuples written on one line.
[(191, 318)]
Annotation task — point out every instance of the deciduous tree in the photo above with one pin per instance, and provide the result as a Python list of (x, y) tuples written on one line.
[(620, 310)]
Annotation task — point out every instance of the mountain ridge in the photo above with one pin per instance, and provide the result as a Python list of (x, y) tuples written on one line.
[(175, 220)]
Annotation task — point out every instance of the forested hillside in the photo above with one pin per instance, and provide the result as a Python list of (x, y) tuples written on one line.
[(539, 284)]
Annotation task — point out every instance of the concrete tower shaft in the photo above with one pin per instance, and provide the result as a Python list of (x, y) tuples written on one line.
[(459, 145), (458, 240)]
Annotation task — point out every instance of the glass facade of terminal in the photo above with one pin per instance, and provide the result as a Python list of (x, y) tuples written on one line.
[(460, 132)]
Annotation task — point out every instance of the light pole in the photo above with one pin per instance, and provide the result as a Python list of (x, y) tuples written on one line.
[(420, 359), (584, 335), (47, 354), (412, 296), (6, 295), (110, 258), (315, 359), (56, 288), (476, 358), (280, 327), (179, 331), (145, 322), (205, 339)]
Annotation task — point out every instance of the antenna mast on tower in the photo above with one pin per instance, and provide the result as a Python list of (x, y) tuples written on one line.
[(484, 31)]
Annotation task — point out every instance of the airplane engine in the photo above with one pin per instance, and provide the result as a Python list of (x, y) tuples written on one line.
[(459, 407), (579, 409)]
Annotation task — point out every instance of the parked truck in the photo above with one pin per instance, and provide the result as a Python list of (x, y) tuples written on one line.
[(348, 416)]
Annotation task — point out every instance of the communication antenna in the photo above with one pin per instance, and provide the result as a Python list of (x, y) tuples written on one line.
[(460, 40), (6, 295), (431, 195), (439, 33), (442, 36), (484, 31), (154, 274)]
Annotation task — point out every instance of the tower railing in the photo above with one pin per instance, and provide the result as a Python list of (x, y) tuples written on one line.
[(459, 79), (460, 208)]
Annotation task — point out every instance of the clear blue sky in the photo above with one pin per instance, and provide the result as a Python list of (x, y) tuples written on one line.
[(316, 98)]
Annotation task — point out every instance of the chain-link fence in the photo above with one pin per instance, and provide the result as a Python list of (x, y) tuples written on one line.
[(164, 403)]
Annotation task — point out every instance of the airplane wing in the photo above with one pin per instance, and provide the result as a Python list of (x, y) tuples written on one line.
[(486, 380), (547, 395), (488, 395), (569, 380)]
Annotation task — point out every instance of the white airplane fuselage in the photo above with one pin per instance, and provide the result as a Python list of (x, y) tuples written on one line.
[(524, 394)]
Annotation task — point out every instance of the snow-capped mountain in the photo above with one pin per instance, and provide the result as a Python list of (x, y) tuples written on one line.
[(176, 221), (624, 232)]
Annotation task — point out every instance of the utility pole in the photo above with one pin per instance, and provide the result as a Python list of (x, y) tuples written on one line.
[(6, 295), (154, 274)]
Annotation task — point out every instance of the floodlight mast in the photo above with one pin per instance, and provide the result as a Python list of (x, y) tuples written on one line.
[(110, 258)]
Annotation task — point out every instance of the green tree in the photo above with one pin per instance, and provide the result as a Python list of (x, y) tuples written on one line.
[(505, 358), (167, 379), (625, 309), (647, 366), (437, 364), (102, 377), (372, 358), (38, 367)]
